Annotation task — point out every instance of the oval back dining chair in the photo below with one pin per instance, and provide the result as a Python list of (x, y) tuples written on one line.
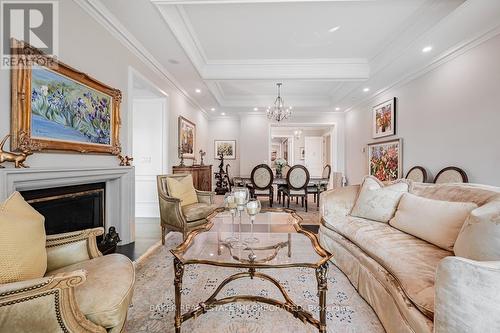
[(417, 174), (262, 182), (297, 180), (451, 175)]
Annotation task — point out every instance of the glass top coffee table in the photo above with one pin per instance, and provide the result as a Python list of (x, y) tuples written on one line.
[(282, 244)]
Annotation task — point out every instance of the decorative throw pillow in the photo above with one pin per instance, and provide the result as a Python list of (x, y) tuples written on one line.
[(182, 189), (377, 201), (22, 238), (479, 238), (435, 221)]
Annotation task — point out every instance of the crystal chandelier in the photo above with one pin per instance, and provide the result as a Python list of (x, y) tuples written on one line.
[(278, 111)]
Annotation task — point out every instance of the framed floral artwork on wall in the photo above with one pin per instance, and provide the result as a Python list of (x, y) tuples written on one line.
[(385, 159), (384, 119), (226, 148), (56, 107), (187, 138)]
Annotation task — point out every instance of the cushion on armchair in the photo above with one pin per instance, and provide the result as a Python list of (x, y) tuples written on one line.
[(183, 189), (22, 235), (198, 211)]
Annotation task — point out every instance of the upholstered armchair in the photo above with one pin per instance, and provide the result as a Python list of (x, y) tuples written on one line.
[(175, 215), (82, 290)]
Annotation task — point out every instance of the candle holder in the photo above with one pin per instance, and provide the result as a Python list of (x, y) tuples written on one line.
[(241, 197), (230, 204), (253, 208)]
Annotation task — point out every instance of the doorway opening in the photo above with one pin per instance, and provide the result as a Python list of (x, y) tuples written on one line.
[(310, 145), (148, 119)]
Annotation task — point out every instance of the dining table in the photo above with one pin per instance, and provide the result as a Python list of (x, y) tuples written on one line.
[(313, 181)]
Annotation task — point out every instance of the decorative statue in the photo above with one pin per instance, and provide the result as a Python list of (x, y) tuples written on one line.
[(109, 241), (125, 160), (181, 154), (17, 158), (202, 154), (220, 177)]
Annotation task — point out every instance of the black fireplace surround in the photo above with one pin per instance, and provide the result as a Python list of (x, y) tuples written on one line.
[(69, 208)]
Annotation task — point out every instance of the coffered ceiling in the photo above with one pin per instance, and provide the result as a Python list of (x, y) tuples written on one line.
[(228, 55)]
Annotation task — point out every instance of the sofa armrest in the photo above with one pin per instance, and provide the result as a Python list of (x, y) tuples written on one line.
[(205, 196), (44, 305), (338, 201), (467, 296), (72, 247)]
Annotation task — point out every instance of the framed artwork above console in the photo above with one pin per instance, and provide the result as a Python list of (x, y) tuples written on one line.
[(55, 107)]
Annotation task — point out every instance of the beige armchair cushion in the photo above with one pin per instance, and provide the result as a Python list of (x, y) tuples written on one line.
[(197, 211), (479, 238), (183, 189), (104, 297), (435, 221), (378, 202), (22, 236)]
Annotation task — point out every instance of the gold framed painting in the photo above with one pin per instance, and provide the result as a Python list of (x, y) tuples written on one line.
[(384, 119), (385, 159), (57, 108), (187, 138)]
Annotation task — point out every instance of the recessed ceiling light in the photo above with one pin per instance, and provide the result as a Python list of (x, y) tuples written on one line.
[(256, 109), (222, 113), (427, 49), (198, 91), (337, 109), (212, 109), (291, 107), (366, 89), (334, 29)]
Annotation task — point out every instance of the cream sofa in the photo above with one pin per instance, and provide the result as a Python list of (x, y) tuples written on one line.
[(412, 285)]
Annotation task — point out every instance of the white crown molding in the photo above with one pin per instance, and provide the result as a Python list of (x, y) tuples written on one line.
[(212, 2), (440, 60), (248, 69), (103, 16)]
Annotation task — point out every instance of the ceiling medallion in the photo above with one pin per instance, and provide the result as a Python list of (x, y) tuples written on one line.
[(278, 111)]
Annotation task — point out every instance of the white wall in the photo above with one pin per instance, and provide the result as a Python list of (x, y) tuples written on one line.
[(85, 45), (449, 116)]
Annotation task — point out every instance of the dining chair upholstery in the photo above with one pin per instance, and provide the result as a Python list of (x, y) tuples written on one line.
[(297, 180), (321, 186), (262, 182), (174, 216), (451, 175)]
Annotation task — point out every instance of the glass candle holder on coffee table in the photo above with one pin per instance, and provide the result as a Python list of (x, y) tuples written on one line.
[(241, 197), (230, 204), (253, 208)]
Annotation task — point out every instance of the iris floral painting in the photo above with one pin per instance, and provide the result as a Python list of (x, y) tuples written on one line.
[(65, 110), (385, 160)]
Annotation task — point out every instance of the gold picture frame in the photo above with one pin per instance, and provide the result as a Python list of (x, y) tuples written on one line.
[(186, 138), (94, 123)]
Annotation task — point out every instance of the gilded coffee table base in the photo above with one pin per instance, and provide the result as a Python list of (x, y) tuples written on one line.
[(288, 305)]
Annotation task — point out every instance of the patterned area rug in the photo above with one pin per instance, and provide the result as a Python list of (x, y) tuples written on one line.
[(152, 309)]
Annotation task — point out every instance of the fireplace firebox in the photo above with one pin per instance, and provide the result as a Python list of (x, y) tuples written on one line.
[(69, 208)]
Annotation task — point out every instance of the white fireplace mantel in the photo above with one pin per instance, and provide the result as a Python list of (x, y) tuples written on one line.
[(120, 201)]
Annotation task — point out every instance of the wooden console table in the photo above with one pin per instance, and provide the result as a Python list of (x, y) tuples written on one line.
[(202, 175)]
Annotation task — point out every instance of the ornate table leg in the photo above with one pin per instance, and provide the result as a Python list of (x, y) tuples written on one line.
[(321, 276), (289, 245), (179, 272)]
